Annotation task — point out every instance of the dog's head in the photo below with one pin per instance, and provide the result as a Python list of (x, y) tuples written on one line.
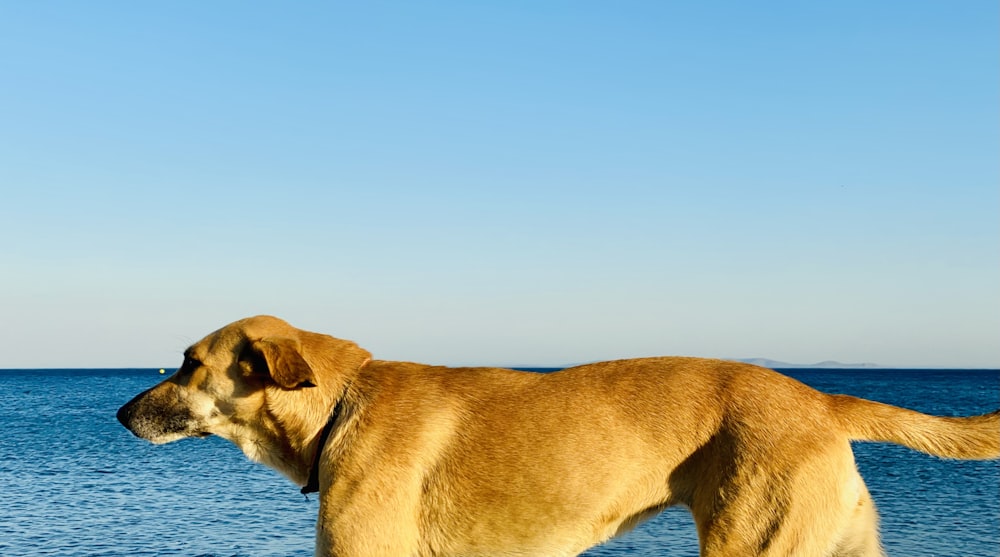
[(259, 382)]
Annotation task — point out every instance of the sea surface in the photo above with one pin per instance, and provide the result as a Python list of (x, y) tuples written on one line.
[(73, 482)]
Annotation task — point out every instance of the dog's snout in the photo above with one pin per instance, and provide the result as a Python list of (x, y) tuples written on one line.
[(133, 414), (160, 416)]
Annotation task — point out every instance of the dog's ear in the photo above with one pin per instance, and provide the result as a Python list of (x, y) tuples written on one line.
[(279, 359)]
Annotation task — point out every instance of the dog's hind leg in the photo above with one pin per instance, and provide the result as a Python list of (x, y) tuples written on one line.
[(770, 505), (860, 537)]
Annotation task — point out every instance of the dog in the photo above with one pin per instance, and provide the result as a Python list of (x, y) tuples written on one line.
[(419, 460)]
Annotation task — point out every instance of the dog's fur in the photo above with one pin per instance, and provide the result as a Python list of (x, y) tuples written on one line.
[(426, 460)]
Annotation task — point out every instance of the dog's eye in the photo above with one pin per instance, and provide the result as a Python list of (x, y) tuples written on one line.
[(190, 364)]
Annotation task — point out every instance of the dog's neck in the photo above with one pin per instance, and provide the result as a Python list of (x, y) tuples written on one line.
[(312, 485)]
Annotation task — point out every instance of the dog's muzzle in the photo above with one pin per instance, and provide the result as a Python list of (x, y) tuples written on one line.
[(153, 416)]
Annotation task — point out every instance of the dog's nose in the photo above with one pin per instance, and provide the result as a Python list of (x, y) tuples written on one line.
[(124, 414)]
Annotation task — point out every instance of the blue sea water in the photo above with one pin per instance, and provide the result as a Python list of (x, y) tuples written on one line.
[(73, 482)]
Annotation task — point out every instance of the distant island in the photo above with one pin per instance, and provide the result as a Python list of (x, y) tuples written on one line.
[(828, 364)]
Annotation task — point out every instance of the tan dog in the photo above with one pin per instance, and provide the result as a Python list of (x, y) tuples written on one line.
[(420, 460)]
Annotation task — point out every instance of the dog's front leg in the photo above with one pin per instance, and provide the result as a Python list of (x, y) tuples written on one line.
[(365, 525)]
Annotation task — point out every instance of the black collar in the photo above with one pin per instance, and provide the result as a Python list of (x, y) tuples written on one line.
[(312, 486)]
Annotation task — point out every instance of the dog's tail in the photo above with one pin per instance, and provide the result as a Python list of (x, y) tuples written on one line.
[(973, 438)]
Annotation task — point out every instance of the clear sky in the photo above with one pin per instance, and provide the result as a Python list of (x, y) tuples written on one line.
[(508, 183)]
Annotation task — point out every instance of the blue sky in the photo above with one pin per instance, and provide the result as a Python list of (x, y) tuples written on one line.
[(508, 183)]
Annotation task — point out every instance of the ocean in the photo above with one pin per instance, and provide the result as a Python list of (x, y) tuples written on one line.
[(73, 482)]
